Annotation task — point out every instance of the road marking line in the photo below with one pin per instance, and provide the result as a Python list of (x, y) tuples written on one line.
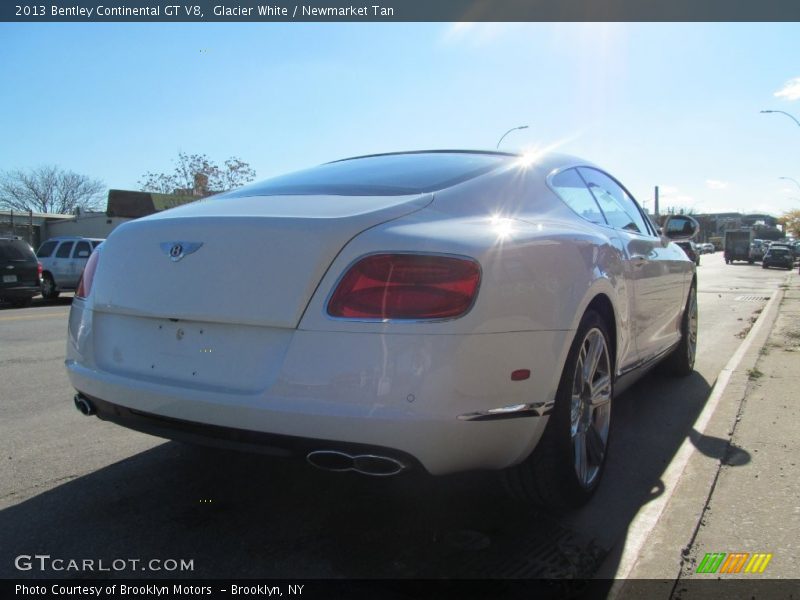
[(648, 516), (28, 317)]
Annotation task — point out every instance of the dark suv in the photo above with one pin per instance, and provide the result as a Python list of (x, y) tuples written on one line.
[(778, 256), (20, 272)]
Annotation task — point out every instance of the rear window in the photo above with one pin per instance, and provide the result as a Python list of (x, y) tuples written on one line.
[(16, 250), (64, 250), (779, 251), (384, 175), (82, 247), (46, 249)]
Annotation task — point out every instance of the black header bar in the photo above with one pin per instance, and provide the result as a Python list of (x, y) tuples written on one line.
[(394, 11)]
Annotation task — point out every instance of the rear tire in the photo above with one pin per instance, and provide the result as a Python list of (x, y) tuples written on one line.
[(565, 468), (49, 291), (681, 361)]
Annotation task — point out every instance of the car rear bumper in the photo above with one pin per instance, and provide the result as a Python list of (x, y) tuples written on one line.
[(409, 394), (21, 290), (231, 438)]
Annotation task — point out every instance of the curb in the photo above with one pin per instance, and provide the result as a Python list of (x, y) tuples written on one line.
[(648, 523)]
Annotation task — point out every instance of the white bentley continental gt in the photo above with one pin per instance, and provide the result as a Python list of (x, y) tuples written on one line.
[(441, 310)]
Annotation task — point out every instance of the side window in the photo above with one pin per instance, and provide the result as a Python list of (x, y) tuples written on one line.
[(82, 247), (618, 207), (64, 250), (96, 243), (573, 191), (46, 249)]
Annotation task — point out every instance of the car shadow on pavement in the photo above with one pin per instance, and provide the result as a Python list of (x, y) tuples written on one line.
[(248, 516), (720, 449), (39, 301)]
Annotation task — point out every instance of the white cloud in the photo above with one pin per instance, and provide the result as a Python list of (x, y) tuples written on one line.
[(714, 184), (790, 90), (672, 197)]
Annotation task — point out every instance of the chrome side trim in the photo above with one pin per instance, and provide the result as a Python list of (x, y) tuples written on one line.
[(516, 411), (647, 362)]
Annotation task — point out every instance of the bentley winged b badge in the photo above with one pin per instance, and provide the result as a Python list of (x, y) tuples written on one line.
[(177, 250)]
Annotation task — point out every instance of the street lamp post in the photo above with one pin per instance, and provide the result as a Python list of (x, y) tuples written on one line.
[(507, 132), (783, 113), (797, 183)]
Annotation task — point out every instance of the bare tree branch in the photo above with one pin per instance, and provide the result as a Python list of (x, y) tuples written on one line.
[(235, 173), (49, 189)]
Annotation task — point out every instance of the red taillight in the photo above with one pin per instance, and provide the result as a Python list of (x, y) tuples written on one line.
[(406, 286), (39, 269), (85, 283)]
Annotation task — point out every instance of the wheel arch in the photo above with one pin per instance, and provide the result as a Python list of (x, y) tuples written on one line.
[(603, 306)]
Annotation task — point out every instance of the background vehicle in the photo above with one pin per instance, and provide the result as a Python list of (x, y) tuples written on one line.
[(778, 256), (706, 248), (737, 245), (791, 245), (20, 272), (444, 310), (758, 248), (691, 250), (63, 260)]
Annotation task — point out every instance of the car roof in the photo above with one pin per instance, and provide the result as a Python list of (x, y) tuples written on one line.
[(547, 160), (63, 238), (402, 173)]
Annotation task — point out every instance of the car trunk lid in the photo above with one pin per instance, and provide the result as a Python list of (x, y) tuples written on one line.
[(253, 260)]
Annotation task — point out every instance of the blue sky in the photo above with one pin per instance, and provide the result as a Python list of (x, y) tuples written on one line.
[(674, 105)]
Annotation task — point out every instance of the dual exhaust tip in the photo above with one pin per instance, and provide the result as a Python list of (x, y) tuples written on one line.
[(366, 464), (327, 460), (83, 404)]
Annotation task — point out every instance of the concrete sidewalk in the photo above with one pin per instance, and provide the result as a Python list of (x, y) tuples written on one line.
[(740, 489)]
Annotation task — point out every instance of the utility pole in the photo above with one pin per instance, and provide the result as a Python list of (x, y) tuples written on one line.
[(656, 204)]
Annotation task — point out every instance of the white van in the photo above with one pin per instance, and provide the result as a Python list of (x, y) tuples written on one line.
[(63, 260)]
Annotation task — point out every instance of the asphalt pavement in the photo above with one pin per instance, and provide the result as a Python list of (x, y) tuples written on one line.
[(76, 487)]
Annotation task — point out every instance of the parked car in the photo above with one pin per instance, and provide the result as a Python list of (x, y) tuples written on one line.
[(20, 272), (63, 260), (757, 249), (789, 245), (690, 249), (778, 256), (706, 248), (441, 310)]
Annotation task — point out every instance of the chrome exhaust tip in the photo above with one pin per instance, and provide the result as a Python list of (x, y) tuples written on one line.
[(83, 404), (330, 460), (366, 464)]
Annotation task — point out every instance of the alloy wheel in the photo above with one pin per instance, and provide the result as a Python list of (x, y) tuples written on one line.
[(691, 329), (590, 412)]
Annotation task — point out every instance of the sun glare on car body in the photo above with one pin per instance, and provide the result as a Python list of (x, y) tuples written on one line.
[(502, 226)]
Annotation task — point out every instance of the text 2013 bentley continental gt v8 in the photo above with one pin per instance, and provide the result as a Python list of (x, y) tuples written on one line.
[(444, 310)]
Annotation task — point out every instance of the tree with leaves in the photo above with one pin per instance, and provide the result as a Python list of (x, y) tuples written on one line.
[(790, 220), (197, 174), (49, 189)]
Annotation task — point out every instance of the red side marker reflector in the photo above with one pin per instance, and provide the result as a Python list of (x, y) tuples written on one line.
[(520, 374)]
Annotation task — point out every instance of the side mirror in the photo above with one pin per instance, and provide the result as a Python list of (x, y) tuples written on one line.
[(680, 227)]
